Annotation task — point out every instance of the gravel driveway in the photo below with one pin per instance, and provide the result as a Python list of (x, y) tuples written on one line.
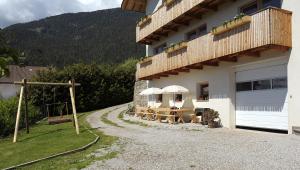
[(167, 148)]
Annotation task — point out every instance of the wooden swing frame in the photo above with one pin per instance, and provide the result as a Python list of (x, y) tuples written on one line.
[(24, 93)]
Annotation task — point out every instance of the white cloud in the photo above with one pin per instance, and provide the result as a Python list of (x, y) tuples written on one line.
[(15, 11)]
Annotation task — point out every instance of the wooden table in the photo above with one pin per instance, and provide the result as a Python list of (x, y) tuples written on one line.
[(171, 114), (180, 113)]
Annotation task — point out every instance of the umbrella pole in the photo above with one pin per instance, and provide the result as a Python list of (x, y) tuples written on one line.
[(173, 99)]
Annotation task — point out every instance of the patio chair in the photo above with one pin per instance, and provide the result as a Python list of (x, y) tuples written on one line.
[(139, 111)]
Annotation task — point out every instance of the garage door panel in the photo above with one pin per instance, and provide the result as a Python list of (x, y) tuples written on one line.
[(262, 108), (277, 71)]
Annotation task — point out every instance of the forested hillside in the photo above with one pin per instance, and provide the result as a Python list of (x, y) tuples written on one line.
[(106, 36)]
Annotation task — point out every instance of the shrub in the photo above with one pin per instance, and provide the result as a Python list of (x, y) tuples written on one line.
[(211, 118), (101, 85), (8, 110)]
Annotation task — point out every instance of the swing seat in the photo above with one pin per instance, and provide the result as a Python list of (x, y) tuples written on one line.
[(58, 120)]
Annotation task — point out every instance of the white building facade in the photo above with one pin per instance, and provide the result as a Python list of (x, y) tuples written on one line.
[(248, 73)]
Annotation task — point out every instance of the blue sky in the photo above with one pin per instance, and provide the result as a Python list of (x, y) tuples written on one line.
[(19, 11)]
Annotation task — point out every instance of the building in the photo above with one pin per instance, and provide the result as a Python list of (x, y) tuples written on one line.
[(16, 74), (240, 58)]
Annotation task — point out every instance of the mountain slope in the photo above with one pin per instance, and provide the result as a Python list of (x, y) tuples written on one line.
[(106, 36)]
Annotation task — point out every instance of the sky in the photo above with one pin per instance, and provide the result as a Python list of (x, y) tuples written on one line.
[(20, 11)]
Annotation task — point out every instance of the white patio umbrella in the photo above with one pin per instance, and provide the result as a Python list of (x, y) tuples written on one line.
[(151, 92), (174, 89)]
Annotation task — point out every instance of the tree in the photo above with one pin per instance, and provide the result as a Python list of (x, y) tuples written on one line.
[(7, 56)]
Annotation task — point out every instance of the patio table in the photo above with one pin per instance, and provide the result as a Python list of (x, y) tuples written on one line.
[(180, 113)]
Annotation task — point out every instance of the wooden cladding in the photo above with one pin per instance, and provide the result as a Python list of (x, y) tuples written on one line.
[(134, 5), (270, 28), (169, 17)]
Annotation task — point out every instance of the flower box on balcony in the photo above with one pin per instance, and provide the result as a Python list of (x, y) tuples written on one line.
[(176, 47), (145, 60), (229, 25), (144, 21), (169, 2)]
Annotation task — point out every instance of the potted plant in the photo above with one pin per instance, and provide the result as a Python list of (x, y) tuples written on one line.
[(144, 20), (176, 47), (237, 21), (211, 118)]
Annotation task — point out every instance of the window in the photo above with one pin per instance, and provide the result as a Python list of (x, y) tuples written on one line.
[(178, 97), (202, 30), (261, 85), (160, 49), (250, 8), (279, 83), (203, 92), (159, 98), (191, 35), (259, 4), (244, 86), (271, 3)]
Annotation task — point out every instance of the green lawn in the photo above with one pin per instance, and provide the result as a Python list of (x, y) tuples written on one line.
[(45, 140)]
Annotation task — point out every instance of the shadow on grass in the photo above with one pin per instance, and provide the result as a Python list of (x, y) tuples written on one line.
[(96, 128), (41, 134)]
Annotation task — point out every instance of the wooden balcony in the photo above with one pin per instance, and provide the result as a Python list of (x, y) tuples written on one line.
[(169, 18), (268, 29)]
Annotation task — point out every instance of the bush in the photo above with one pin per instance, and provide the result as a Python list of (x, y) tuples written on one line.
[(8, 110), (101, 85), (211, 118)]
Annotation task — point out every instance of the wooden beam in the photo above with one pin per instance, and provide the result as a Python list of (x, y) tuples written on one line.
[(252, 54), (163, 75), (181, 23), (45, 83), (229, 59), (171, 72), (160, 34), (72, 94), (26, 105), (153, 39), (194, 16), (206, 7), (18, 114), (195, 67), (169, 29), (214, 63), (183, 69)]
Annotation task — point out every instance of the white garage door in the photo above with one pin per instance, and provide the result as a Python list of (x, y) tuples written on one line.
[(261, 97)]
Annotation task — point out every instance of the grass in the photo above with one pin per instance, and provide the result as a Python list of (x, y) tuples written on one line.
[(121, 116), (105, 120), (45, 140)]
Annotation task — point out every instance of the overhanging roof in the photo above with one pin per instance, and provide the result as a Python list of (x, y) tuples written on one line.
[(134, 5)]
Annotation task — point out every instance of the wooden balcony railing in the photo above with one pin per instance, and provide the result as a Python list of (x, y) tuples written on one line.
[(169, 18), (269, 28)]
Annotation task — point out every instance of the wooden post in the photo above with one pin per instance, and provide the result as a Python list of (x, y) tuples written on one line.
[(18, 113), (72, 94), (26, 106)]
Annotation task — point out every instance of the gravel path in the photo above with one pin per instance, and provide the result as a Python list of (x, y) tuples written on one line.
[(172, 148)]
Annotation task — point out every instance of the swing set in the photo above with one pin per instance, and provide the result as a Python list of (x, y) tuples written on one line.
[(56, 112), (59, 112)]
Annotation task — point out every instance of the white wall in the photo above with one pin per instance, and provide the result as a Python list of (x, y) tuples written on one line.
[(294, 65), (225, 12), (221, 86), (7, 91)]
